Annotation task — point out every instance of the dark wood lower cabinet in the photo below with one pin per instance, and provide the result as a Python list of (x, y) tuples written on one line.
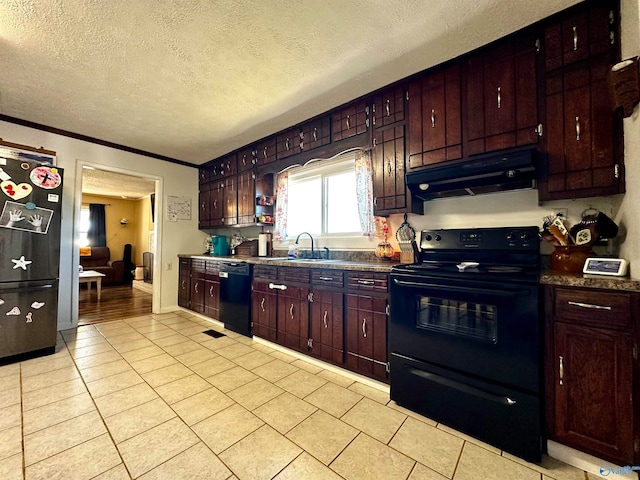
[(592, 371), (293, 317), (263, 310), (327, 339), (366, 334), (593, 401)]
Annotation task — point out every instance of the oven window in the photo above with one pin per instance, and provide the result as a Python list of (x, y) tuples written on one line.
[(456, 317)]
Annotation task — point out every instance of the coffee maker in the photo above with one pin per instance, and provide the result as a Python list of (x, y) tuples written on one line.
[(220, 246)]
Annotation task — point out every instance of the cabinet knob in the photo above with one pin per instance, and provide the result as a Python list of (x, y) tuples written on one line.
[(324, 319), (388, 108), (433, 118), (348, 122), (499, 97), (575, 38), (577, 129), (364, 327), (561, 369)]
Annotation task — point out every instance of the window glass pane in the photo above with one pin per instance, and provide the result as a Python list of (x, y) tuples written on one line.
[(305, 206), (83, 228), (342, 207)]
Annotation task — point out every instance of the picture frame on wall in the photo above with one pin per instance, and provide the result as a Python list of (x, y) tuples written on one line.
[(16, 151)]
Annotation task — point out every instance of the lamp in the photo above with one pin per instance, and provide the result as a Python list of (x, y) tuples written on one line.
[(123, 222)]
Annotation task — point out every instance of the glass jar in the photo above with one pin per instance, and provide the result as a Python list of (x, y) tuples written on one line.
[(570, 258)]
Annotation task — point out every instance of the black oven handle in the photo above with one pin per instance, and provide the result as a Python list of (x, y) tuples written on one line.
[(453, 288), (461, 387)]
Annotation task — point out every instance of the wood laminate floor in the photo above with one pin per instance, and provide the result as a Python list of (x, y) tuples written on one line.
[(116, 302)]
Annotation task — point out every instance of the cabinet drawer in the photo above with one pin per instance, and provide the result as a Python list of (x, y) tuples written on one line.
[(212, 266), (328, 278), (593, 307), (198, 265), (367, 281), (265, 272), (293, 274)]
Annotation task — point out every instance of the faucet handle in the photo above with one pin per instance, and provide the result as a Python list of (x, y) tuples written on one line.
[(326, 253)]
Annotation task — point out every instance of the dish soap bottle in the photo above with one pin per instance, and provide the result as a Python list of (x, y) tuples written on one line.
[(293, 251)]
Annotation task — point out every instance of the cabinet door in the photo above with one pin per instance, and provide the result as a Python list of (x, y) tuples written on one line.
[(583, 136), (246, 198), (230, 201), (327, 325), (293, 318), (590, 32), (204, 206), (593, 391), (388, 107), (247, 158), (266, 151), (366, 334), (198, 288), (316, 133), (263, 311), (216, 204), (389, 191), (288, 143), (501, 96), (435, 130), (350, 121), (212, 296), (184, 286)]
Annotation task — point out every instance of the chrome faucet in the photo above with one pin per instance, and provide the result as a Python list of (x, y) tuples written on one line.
[(307, 233)]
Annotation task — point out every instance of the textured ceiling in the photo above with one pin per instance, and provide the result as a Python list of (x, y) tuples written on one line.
[(111, 184), (194, 79)]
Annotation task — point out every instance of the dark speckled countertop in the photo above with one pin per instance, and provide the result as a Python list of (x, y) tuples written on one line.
[(549, 277), (360, 264)]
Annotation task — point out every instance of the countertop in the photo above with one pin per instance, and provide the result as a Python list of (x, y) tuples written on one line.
[(549, 277), (373, 266)]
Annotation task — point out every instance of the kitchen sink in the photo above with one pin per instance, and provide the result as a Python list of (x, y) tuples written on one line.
[(299, 260)]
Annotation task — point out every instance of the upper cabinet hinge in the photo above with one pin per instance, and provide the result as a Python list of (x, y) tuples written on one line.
[(537, 44), (387, 367), (387, 310), (406, 95), (539, 130), (310, 297), (616, 171), (612, 17)]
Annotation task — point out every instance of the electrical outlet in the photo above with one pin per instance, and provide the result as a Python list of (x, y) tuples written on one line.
[(169, 266), (560, 212)]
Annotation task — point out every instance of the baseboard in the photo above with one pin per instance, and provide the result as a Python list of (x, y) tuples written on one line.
[(586, 462), (143, 286)]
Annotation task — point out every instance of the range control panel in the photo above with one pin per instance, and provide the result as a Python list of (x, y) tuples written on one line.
[(501, 238)]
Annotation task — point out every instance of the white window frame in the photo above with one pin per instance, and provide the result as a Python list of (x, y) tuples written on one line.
[(325, 170), (83, 229)]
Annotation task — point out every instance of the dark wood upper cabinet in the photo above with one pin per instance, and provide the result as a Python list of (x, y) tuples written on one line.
[(435, 122), (588, 33), (266, 151), (230, 205), (501, 96), (288, 143), (316, 133), (246, 198), (389, 190), (350, 121), (247, 158), (388, 107)]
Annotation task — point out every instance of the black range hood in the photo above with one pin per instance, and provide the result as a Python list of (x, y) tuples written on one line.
[(511, 169)]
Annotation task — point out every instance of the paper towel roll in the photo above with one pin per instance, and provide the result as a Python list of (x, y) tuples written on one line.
[(263, 244)]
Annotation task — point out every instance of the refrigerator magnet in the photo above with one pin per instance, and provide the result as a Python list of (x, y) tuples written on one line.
[(1, 301), (45, 177), (15, 191), (4, 175), (29, 317), (14, 311), (21, 263), (34, 220), (53, 197), (37, 305)]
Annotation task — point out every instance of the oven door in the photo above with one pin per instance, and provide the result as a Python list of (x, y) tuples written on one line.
[(490, 330)]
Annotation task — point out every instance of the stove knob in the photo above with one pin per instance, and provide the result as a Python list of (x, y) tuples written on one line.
[(525, 237), (428, 237), (511, 237), (438, 238)]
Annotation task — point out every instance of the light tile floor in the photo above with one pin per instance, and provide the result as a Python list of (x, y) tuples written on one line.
[(153, 398)]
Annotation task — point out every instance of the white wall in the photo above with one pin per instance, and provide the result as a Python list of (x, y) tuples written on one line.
[(174, 238)]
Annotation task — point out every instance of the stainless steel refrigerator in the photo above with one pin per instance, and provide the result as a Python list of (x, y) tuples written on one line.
[(30, 206)]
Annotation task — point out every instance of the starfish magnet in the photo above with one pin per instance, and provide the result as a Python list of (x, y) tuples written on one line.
[(21, 263)]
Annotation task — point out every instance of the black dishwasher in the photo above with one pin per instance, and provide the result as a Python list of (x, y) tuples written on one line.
[(235, 297)]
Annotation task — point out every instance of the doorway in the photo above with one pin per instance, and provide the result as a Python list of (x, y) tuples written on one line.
[(123, 262)]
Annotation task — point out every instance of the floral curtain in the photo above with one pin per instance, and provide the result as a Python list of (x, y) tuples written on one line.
[(364, 192), (282, 203)]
